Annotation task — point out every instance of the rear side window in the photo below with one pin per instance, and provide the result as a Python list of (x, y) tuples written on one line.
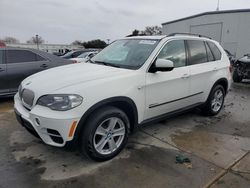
[(216, 52), (40, 58), (20, 56), (174, 51), (197, 52)]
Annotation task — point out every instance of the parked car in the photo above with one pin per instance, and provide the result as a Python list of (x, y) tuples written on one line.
[(76, 53), (241, 68), (84, 57), (132, 82), (18, 63)]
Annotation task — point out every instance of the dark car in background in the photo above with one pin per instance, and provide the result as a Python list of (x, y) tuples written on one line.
[(76, 53), (241, 68), (18, 63)]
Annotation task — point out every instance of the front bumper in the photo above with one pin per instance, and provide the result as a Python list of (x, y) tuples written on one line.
[(52, 131)]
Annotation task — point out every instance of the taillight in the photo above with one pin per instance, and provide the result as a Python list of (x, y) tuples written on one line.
[(231, 68), (74, 61)]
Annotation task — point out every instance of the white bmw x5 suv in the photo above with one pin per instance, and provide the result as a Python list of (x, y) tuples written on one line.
[(132, 82)]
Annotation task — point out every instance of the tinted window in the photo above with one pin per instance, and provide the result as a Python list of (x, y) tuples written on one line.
[(197, 51), (19, 56), (215, 50), (77, 54), (1, 56), (174, 51), (210, 56), (39, 58)]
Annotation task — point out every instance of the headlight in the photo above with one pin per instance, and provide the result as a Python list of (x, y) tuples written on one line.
[(60, 102)]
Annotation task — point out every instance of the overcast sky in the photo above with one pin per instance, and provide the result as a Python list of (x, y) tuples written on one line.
[(63, 21)]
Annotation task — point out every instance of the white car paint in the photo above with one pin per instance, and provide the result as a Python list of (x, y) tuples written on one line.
[(98, 82)]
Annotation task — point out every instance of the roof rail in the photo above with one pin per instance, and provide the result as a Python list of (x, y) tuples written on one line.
[(191, 34)]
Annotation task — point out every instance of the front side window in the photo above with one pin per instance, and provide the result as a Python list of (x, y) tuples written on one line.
[(215, 50), (127, 53), (19, 56), (197, 52), (174, 51)]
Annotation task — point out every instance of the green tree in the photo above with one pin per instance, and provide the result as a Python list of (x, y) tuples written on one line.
[(95, 44)]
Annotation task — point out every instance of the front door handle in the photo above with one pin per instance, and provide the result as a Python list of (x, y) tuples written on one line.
[(185, 76), (44, 66), (1, 70)]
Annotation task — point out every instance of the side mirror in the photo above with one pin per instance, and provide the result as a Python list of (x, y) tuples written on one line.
[(162, 65)]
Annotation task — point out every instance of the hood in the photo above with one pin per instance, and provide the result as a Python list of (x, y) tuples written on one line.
[(245, 59), (65, 76)]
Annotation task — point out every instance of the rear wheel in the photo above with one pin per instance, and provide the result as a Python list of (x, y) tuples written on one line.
[(105, 134), (215, 101)]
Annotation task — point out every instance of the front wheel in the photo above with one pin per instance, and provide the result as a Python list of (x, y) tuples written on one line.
[(215, 101), (105, 134)]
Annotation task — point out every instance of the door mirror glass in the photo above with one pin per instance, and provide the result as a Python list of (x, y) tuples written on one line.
[(162, 65)]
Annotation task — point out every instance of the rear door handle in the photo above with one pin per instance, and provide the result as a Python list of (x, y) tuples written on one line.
[(185, 76), (215, 69), (44, 66)]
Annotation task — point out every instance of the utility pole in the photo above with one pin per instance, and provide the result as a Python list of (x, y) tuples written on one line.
[(37, 42), (218, 5)]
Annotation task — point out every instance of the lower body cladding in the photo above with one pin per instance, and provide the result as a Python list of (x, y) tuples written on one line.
[(55, 132)]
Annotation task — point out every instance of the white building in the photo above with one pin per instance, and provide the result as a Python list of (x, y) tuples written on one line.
[(231, 28), (51, 48)]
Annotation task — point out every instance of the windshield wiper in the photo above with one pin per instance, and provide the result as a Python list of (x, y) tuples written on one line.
[(91, 61), (107, 64)]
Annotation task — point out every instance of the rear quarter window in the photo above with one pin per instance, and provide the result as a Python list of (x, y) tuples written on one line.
[(215, 50)]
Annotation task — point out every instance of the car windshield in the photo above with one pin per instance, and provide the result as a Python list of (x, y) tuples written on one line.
[(126, 53)]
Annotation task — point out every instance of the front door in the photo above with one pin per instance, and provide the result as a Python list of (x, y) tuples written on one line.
[(168, 91)]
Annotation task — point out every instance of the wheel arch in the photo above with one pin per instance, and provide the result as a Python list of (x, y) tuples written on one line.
[(223, 82), (126, 104)]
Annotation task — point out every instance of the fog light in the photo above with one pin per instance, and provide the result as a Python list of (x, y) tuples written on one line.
[(37, 121)]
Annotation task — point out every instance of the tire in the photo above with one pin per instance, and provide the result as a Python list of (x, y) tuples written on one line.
[(210, 109), (98, 137), (236, 77)]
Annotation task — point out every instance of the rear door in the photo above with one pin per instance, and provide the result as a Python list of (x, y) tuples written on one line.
[(21, 64), (4, 87), (203, 66)]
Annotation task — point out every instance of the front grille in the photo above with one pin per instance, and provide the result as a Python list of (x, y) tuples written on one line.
[(27, 97)]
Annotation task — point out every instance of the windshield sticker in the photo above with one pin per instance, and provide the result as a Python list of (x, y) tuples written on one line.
[(150, 42)]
